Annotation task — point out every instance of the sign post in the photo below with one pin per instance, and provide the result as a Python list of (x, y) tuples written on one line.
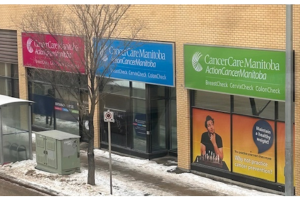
[(289, 144), (109, 117)]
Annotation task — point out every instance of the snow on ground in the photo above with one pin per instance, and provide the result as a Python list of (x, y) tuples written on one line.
[(75, 184)]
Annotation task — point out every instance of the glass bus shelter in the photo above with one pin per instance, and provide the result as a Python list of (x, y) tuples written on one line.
[(15, 129)]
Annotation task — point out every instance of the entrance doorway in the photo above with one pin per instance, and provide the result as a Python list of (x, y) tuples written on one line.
[(162, 118), (145, 119)]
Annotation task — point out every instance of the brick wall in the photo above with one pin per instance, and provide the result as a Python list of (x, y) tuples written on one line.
[(249, 26)]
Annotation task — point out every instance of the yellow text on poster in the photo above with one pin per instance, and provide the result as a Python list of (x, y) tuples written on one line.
[(247, 157)]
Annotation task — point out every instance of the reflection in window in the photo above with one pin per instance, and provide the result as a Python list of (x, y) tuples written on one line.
[(9, 80), (139, 124), (5, 70), (5, 88), (119, 87), (15, 71), (41, 107), (173, 120), (213, 101), (138, 89), (281, 111), (52, 112), (157, 92), (66, 112), (158, 125), (119, 129), (254, 107)]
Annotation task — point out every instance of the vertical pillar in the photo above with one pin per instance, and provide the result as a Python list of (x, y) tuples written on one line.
[(183, 115), (23, 83), (289, 144)]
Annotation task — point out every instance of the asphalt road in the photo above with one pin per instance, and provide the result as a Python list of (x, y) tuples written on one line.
[(11, 189)]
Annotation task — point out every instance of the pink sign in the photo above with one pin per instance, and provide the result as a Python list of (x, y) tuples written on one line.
[(63, 53)]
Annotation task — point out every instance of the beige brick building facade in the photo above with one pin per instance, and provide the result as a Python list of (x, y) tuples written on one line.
[(246, 26)]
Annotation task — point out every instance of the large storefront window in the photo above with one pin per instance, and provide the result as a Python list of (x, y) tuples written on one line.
[(249, 135), (139, 116), (119, 129), (173, 121), (212, 101), (255, 107), (147, 71), (9, 79), (237, 117), (54, 109), (141, 124), (158, 117), (43, 107), (215, 119), (116, 99), (66, 112), (50, 112)]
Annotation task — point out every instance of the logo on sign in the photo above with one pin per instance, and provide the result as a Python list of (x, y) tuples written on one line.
[(28, 45), (103, 55), (109, 116), (195, 61)]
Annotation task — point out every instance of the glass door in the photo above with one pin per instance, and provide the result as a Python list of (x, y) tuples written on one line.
[(157, 118), (162, 118)]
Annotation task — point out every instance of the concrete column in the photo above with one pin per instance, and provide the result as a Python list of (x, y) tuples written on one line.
[(183, 114), (23, 84)]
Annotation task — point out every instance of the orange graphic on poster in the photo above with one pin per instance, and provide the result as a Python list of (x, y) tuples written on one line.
[(211, 138), (253, 147), (281, 152)]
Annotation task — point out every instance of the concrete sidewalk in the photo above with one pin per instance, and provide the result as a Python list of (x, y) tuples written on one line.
[(163, 185), (133, 174), (149, 179)]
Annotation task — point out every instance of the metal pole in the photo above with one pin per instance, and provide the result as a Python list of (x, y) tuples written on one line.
[(30, 130), (109, 148), (289, 150)]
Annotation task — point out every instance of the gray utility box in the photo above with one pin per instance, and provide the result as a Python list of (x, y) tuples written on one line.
[(57, 152)]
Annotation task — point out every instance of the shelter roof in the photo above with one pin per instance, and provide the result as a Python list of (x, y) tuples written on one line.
[(4, 100)]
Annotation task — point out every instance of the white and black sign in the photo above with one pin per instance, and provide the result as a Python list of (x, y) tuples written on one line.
[(109, 116)]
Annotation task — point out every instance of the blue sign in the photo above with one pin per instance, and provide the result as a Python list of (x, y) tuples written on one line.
[(263, 135), (146, 62)]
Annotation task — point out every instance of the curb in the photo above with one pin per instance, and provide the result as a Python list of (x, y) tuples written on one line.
[(35, 187)]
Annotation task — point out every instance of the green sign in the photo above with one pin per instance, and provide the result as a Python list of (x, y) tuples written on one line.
[(247, 72)]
